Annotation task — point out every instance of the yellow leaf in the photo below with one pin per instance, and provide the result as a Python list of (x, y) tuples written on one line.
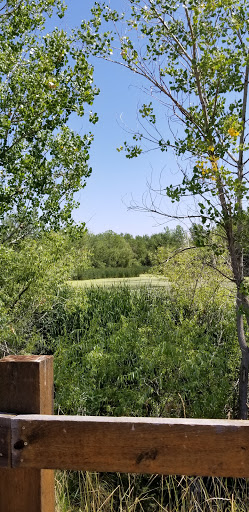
[(233, 132)]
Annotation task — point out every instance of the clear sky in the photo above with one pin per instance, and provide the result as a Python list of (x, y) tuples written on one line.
[(116, 181)]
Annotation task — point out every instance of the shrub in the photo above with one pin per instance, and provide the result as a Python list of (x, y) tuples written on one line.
[(143, 353), (109, 272)]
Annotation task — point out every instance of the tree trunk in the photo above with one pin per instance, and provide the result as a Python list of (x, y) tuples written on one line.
[(243, 386), (243, 378)]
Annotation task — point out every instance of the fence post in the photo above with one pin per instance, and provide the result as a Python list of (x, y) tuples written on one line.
[(26, 387)]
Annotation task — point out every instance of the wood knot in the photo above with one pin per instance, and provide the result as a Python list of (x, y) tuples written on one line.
[(149, 455), (19, 445)]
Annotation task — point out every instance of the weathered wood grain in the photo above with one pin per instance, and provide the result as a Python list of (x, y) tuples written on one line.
[(26, 386), (5, 441), (139, 445)]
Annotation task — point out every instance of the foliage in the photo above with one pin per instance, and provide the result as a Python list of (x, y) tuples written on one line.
[(120, 352), (123, 255), (145, 246), (195, 58), (32, 272), (44, 79), (196, 52), (109, 272), (125, 352), (192, 276), (110, 250)]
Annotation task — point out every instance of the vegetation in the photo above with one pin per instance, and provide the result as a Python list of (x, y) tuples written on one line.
[(32, 272), (108, 272), (114, 255), (140, 493), (141, 353), (144, 280), (194, 57), (166, 351), (144, 352), (44, 78), (122, 351)]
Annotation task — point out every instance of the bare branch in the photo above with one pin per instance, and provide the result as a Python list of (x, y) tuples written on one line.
[(8, 13), (179, 251), (181, 48), (163, 214), (220, 272), (215, 99), (201, 91)]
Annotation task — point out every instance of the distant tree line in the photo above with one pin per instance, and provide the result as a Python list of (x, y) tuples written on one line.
[(122, 255)]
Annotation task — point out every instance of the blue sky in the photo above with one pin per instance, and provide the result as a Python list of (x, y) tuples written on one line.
[(116, 181)]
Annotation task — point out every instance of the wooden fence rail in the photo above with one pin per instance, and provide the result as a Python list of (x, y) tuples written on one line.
[(33, 441), (130, 445)]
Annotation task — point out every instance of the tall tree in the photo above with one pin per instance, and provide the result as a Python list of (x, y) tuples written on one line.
[(44, 79), (110, 250), (195, 57)]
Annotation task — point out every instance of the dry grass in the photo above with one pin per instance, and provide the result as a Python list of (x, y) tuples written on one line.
[(95, 492)]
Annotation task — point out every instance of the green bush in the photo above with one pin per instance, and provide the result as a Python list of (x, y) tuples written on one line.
[(141, 353)]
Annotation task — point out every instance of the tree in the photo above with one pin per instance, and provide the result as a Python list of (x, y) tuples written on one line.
[(110, 250), (195, 57), (140, 248), (32, 282), (44, 79)]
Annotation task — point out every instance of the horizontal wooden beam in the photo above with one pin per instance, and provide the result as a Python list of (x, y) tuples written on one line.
[(132, 445)]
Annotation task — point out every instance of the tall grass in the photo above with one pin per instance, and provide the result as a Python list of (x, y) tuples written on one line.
[(97, 492), (109, 272), (121, 352)]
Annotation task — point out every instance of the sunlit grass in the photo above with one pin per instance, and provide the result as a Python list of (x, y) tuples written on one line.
[(96, 492), (133, 282)]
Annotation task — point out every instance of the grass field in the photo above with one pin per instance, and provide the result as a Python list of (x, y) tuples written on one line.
[(133, 282)]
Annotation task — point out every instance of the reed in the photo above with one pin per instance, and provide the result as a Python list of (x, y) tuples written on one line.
[(96, 492)]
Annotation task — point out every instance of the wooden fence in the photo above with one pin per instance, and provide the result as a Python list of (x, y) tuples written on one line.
[(33, 442)]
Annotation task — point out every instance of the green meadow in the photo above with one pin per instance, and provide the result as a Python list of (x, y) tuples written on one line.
[(144, 280)]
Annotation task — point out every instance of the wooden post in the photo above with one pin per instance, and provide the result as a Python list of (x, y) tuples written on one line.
[(26, 387)]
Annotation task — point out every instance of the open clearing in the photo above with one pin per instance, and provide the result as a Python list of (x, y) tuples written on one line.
[(133, 282)]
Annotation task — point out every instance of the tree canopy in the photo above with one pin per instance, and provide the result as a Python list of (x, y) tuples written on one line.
[(194, 56), (44, 79)]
